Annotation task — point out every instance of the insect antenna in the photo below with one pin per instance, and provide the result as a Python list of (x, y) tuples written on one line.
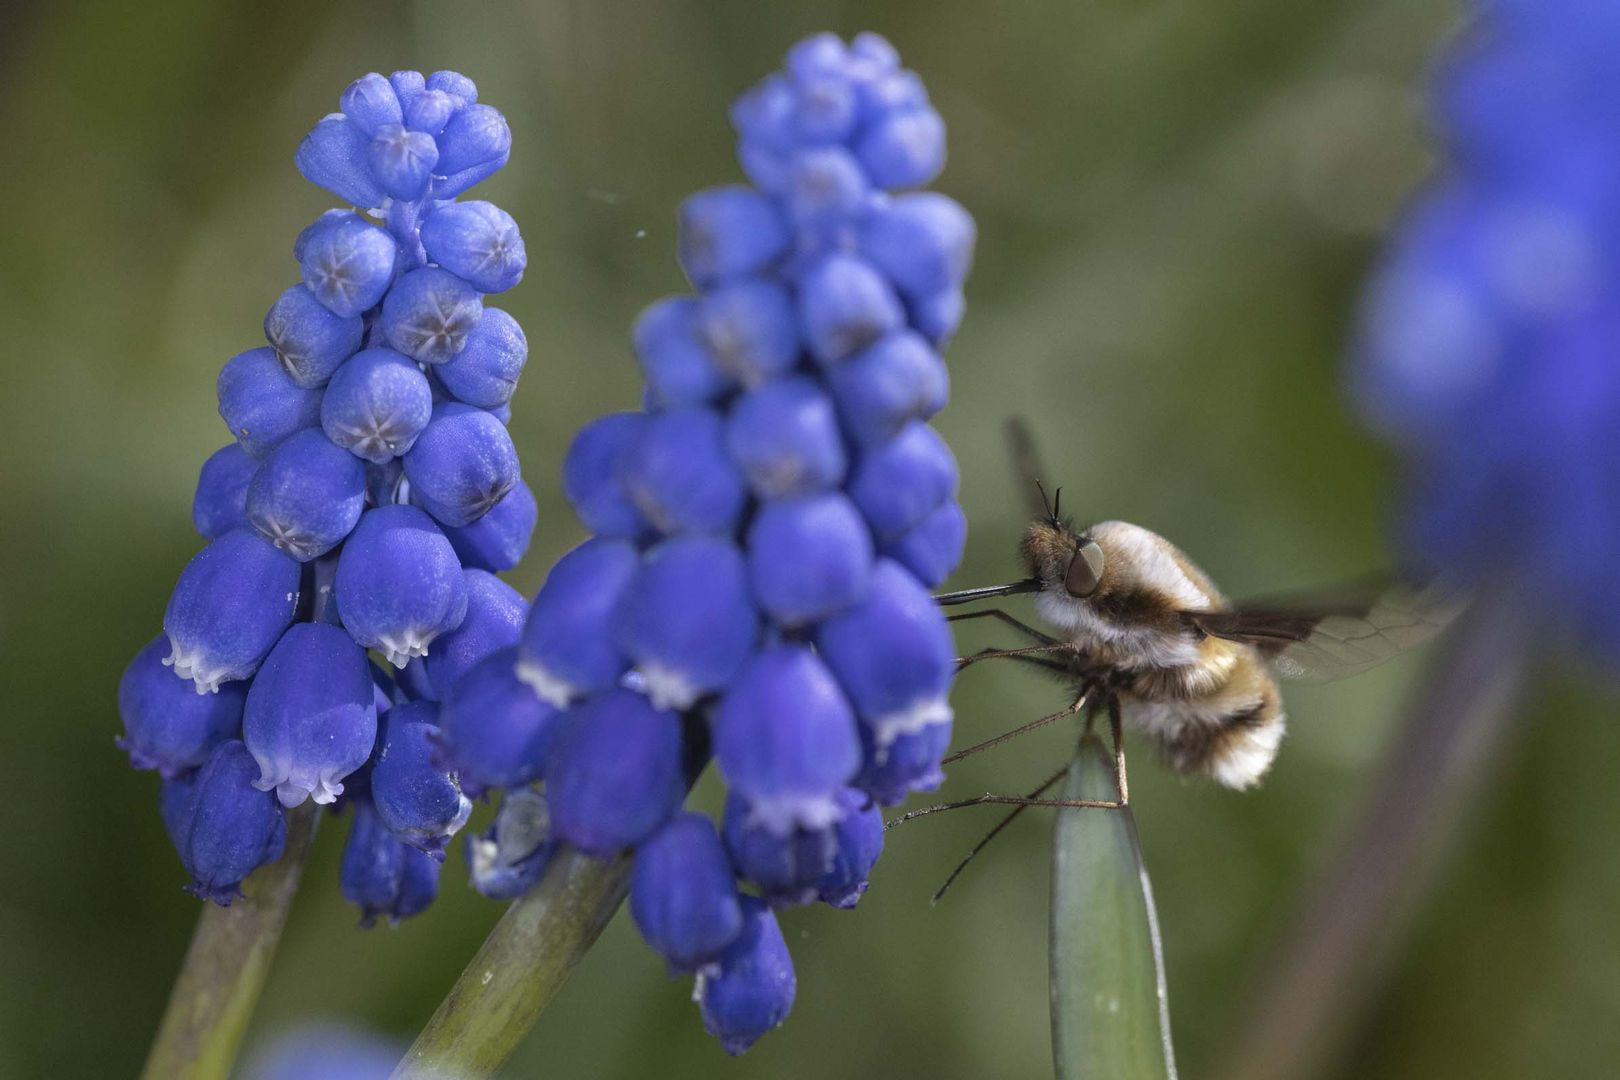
[(1026, 463), (1046, 504), (939, 894)]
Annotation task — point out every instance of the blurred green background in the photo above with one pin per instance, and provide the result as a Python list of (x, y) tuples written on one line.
[(1176, 201)]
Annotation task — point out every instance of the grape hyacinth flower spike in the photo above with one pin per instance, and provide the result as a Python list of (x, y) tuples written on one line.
[(765, 532)]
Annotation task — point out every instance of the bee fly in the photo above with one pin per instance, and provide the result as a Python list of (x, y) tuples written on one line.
[(1143, 634)]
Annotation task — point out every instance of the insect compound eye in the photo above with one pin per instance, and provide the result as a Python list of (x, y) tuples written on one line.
[(1085, 571)]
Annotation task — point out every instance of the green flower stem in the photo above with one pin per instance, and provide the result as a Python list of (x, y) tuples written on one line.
[(226, 965), (521, 965)]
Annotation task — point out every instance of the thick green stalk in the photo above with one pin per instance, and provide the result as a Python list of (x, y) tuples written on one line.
[(521, 965), (226, 965)]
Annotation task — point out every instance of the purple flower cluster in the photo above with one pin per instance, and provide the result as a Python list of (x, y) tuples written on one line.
[(766, 532), (1490, 346), (369, 496)]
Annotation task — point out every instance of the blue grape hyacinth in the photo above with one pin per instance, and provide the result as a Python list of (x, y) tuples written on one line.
[(1489, 339), (369, 495), (765, 532)]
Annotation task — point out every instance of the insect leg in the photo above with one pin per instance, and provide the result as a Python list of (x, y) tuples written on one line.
[(1002, 616), (992, 799), (963, 662), (1116, 730), (1079, 704), (993, 833)]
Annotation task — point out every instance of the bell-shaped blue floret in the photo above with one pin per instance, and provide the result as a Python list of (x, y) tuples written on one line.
[(495, 614), (904, 150), (399, 585), (506, 860), (923, 242), (592, 472), (419, 801), (826, 192), (846, 305), (787, 867), (902, 481), (751, 991), (498, 540), (348, 263), (381, 875), (232, 828), (311, 716), (785, 437), (568, 648), (478, 242), (370, 102), (785, 739), (429, 313), (687, 619), (496, 732), (333, 155), (463, 463), (261, 404), (168, 726), (751, 328), (308, 495), (808, 558), (679, 475), (220, 503), (231, 604), (908, 762), (728, 232), (614, 773), (402, 160), (932, 550), (429, 112), (376, 405), (309, 340), (457, 85), (683, 895), (675, 360), (485, 372), (860, 841), (893, 655), (475, 143), (886, 385)]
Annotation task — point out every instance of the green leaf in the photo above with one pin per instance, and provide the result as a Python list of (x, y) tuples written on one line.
[(1110, 1008)]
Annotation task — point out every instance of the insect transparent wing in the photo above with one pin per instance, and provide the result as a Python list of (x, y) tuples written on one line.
[(1330, 641)]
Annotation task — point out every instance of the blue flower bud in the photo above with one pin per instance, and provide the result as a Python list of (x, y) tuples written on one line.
[(418, 801), (498, 540), (261, 404), (232, 828), (891, 382), (817, 56), (231, 604), (168, 726), (496, 732), (683, 896), (495, 614), (591, 475), (307, 496), (808, 558), (752, 990), (728, 232), (785, 740), (408, 85), (894, 657), (429, 112), (333, 155), (348, 263), (933, 548), (474, 145), (786, 867), (764, 115), (220, 503), (751, 328), (614, 773), (923, 242), (399, 585), (478, 242), (675, 361), (784, 435), (875, 51), (826, 187), (568, 648), (370, 102), (402, 160), (936, 317), (687, 619), (457, 85), (679, 476), (508, 858), (461, 465), (485, 372), (825, 110), (381, 875), (860, 841), (428, 314), (899, 483), (905, 150), (846, 305), (311, 716), (908, 762), (376, 405), (310, 340)]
